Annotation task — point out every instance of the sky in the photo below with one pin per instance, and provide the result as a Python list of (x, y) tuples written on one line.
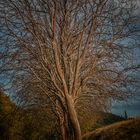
[(132, 106)]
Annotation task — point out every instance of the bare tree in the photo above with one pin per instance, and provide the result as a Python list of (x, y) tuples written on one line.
[(66, 51)]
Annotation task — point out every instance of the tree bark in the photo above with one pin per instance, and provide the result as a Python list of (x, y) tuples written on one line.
[(73, 118), (63, 133)]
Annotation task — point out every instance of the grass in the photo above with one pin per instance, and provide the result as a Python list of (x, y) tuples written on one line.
[(124, 130)]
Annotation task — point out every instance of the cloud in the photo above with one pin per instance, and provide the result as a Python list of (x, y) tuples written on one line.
[(138, 7)]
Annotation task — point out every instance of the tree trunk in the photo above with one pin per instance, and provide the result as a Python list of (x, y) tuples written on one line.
[(73, 118), (63, 133)]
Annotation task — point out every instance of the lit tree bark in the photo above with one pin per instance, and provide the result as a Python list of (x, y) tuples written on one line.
[(73, 118)]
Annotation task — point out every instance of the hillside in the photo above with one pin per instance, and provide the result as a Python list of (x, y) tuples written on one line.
[(96, 120), (124, 130)]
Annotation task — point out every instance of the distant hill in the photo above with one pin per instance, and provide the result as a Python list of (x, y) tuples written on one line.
[(124, 130), (105, 118), (97, 120)]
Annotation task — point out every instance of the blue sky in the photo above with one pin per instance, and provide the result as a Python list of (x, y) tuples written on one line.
[(132, 106)]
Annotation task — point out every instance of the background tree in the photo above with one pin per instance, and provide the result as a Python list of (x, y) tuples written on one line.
[(18, 123), (68, 51), (5, 110)]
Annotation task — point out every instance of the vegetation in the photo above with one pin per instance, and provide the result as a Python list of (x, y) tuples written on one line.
[(21, 124), (5, 110), (33, 123)]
